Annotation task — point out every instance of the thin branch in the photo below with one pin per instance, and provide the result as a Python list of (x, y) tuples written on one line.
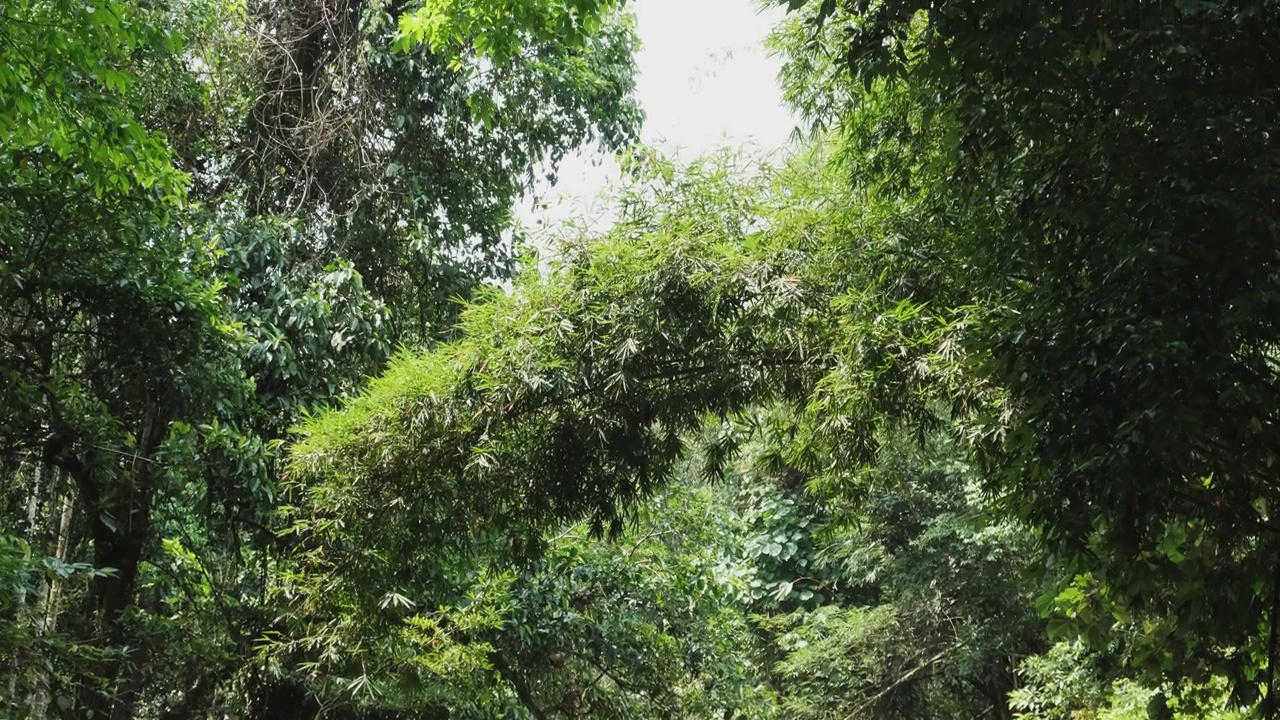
[(869, 702), (522, 690)]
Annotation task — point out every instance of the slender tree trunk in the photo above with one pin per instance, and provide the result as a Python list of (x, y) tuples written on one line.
[(121, 522), (120, 532), (22, 614), (50, 592)]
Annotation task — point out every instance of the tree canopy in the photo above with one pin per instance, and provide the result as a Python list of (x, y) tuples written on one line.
[(963, 406)]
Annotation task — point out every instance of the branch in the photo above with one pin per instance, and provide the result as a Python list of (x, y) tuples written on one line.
[(522, 690), (905, 678)]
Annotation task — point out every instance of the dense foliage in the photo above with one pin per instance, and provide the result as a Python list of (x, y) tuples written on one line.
[(966, 407), (192, 191)]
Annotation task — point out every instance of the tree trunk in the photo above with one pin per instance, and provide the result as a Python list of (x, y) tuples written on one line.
[(118, 544), (119, 501), (22, 614), (52, 590)]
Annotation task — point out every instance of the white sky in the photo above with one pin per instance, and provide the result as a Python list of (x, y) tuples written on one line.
[(705, 82)]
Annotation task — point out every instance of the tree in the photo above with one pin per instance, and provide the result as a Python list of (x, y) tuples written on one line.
[(1069, 681), (1086, 276), (173, 304), (471, 451), (114, 340), (1099, 223), (648, 626), (406, 162), (921, 600), (905, 314), (1060, 271)]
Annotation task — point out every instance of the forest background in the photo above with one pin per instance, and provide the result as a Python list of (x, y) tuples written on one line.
[(965, 407)]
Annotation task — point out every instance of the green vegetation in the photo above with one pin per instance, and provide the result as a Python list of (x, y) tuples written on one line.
[(966, 408)]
